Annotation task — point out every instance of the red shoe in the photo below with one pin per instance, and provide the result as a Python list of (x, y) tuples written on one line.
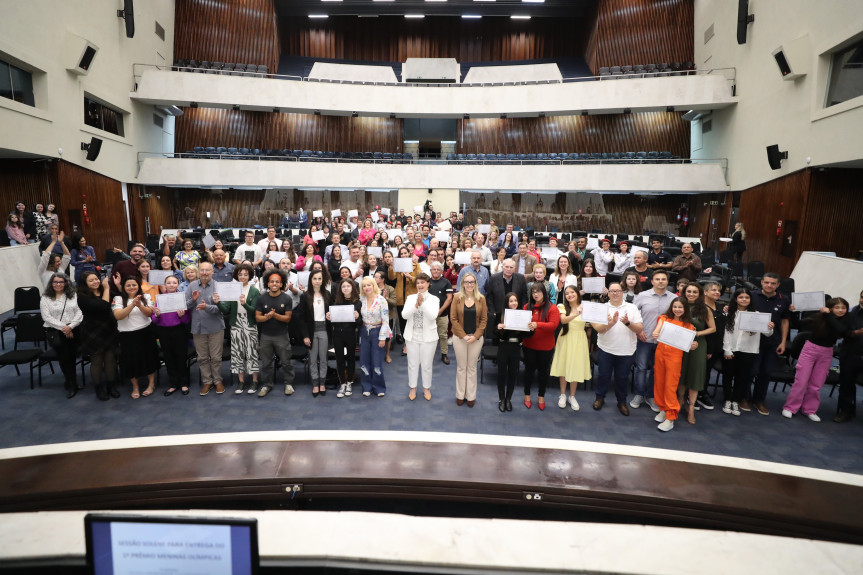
[(527, 403), (541, 405)]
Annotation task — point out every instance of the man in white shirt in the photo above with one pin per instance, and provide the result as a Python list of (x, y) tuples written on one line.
[(249, 251), (480, 245), (271, 237), (616, 344), (353, 262)]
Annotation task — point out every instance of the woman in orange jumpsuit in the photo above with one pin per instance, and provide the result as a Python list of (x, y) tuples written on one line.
[(666, 367)]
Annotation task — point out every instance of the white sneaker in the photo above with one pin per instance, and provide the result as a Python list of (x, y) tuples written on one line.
[(652, 405), (573, 403), (341, 392), (367, 393), (666, 425), (813, 417), (348, 391), (561, 401), (289, 389), (241, 387), (735, 408), (726, 407), (787, 413), (253, 388), (636, 401), (381, 394), (660, 417)]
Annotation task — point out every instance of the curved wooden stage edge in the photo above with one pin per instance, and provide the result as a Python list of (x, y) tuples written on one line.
[(488, 476)]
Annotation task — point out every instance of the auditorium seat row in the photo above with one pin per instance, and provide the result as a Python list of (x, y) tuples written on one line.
[(647, 71), (568, 158), (224, 68), (224, 153)]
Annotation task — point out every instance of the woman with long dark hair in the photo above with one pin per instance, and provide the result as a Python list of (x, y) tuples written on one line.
[(588, 270), (98, 333), (666, 367), (571, 363), (83, 258), (61, 314), (508, 357), (740, 349), (312, 311), (139, 354), (15, 230), (539, 345), (345, 336), (309, 256), (631, 284), (172, 329), (335, 261), (694, 366)]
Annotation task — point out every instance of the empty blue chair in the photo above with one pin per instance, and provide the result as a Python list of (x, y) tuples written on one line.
[(653, 157), (409, 156), (471, 157), (665, 156), (398, 157), (542, 157), (641, 157), (450, 157), (480, 157)]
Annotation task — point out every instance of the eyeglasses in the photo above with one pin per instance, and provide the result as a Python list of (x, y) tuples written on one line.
[(468, 282), (615, 291), (59, 282)]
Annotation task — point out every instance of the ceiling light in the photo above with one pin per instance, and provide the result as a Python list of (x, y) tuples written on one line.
[(471, 16), (415, 16), (519, 17), (435, 0), (318, 16), (483, 0), (533, 1)]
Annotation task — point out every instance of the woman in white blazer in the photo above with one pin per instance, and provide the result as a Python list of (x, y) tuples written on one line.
[(420, 312)]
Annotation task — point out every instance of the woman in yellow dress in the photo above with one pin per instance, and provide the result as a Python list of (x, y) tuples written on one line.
[(571, 363)]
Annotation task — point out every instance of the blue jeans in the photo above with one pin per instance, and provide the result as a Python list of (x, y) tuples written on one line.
[(644, 354), (616, 368), (372, 361)]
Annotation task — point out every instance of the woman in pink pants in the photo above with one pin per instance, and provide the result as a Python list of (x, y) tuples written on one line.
[(815, 359)]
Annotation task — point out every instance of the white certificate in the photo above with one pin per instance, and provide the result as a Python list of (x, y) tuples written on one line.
[(724, 239), (374, 216), (336, 214), (593, 312), (484, 228), (385, 211), (445, 225), (418, 209), (209, 241), (318, 235), (462, 258), (593, 285), (303, 279), (318, 214), (803, 301), (229, 291), (592, 243), (754, 321), (516, 319), (342, 314), (442, 236), (276, 257), (157, 277), (168, 302), (676, 336), (353, 213), (550, 254), (375, 251), (405, 265)]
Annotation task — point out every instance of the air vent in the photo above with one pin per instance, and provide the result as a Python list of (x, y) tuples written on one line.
[(160, 32), (706, 126), (159, 120), (708, 34)]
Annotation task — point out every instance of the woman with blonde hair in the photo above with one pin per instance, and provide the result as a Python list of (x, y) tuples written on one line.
[(738, 242), (469, 315), (373, 337)]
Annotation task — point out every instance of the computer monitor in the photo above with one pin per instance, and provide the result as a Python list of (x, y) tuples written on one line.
[(127, 544)]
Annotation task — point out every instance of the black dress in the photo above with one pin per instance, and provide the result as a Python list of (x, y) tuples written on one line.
[(98, 330)]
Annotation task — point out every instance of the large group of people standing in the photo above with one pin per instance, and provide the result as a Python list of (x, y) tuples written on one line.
[(292, 291)]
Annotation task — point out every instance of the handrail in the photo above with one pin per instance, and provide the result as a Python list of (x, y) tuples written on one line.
[(629, 76)]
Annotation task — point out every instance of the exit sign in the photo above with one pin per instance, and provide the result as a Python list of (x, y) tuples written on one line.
[(714, 203)]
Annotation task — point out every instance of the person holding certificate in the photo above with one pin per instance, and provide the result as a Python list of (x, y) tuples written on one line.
[(740, 350), (563, 276), (508, 356), (666, 367), (373, 337), (98, 333), (139, 355), (571, 363), (405, 284), (469, 316), (589, 271), (312, 315), (172, 328), (828, 326), (768, 300), (539, 345), (345, 335), (421, 335), (694, 366), (244, 329)]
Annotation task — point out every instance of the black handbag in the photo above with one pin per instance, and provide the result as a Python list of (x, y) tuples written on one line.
[(55, 336)]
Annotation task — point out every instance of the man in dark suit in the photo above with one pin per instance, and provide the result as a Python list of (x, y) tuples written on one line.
[(501, 284), (523, 262)]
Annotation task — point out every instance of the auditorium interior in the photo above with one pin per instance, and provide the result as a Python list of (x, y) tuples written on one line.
[(630, 118)]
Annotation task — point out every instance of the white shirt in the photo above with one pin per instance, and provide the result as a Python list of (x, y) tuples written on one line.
[(619, 339), (621, 262), (602, 260), (353, 266), (240, 254), (571, 280), (425, 268), (736, 340), (135, 320), (265, 243)]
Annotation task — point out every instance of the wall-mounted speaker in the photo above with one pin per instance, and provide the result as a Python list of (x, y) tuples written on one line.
[(792, 58), (775, 157), (80, 53), (128, 14), (743, 20), (92, 148)]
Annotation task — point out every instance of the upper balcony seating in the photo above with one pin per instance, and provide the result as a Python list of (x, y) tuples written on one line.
[(646, 70)]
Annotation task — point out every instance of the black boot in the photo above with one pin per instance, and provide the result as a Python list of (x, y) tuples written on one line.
[(71, 389), (102, 391), (112, 390)]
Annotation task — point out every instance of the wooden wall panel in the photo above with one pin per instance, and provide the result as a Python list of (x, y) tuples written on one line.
[(26, 181), (216, 127), (628, 32), (834, 216), (227, 31), (762, 206), (659, 131), (393, 39), (158, 207), (701, 215)]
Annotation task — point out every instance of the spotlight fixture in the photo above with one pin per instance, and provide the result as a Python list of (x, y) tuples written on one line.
[(503, 116), (627, 110), (467, 116), (584, 112), (235, 107), (542, 114), (276, 110), (317, 112), (354, 114), (193, 104), (669, 108), (392, 116)]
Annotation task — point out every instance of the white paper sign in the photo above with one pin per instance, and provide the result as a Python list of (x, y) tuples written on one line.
[(336, 214), (209, 241), (303, 279), (418, 209), (484, 228), (592, 243), (405, 265), (753, 321), (445, 225), (229, 291), (676, 336), (593, 285), (375, 251), (276, 257), (516, 319), (550, 254), (157, 277), (385, 211), (593, 312), (353, 213), (442, 236), (342, 314), (374, 216), (169, 302), (318, 235), (802, 301), (462, 258), (318, 214)]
